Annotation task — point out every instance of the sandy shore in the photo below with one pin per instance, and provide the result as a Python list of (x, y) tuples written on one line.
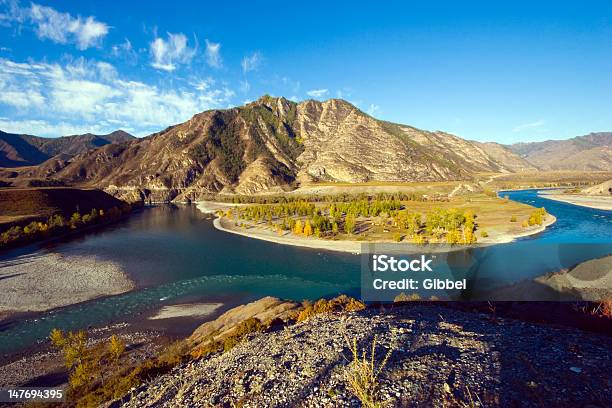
[(597, 202), (354, 247), (505, 238), (186, 310), (43, 281)]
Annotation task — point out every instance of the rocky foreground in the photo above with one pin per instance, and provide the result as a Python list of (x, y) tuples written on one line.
[(438, 357)]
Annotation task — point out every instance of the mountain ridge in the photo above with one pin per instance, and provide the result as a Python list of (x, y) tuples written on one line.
[(589, 152), (271, 145), (274, 145), (18, 150)]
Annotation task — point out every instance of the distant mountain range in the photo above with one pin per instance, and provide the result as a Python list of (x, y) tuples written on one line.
[(26, 150), (273, 144), (590, 152)]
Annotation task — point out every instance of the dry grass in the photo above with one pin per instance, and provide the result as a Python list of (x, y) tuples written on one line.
[(362, 373)]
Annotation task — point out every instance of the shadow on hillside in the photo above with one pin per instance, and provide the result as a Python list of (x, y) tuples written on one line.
[(527, 365)]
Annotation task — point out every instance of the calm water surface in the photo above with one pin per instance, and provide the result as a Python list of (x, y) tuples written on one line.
[(175, 255)]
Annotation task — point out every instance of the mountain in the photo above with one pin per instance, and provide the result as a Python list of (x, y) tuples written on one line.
[(506, 157), (270, 145), (26, 150), (592, 152)]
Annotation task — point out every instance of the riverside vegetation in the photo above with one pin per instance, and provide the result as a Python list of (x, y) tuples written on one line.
[(57, 225)]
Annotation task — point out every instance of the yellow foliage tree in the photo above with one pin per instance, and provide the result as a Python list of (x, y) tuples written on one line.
[(307, 229), (298, 229), (116, 347)]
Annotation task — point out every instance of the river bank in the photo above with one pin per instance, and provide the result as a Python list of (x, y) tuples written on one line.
[(350, 246), (596, 202), (43, 281)]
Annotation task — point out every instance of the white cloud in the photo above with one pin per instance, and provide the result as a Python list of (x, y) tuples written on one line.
[(107, 71), (373, 110), (168, 53), (245, 86), (317, 93), (63, 28), (13, 12), (251, 62), (84, 95), (22, 99), (526, 126), (45, 128), (125, 51), (213, 54), (18, 87)]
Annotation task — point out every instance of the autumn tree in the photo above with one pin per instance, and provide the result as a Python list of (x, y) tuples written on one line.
[(307, 229), (77, 360), (116, 347), (298, 229), (349, 224)]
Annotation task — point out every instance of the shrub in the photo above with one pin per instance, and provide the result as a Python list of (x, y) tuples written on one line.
[(402, 297), (250, 325), (341, 303), (349, 224), (484, 234), (361, 375), (513, 218)]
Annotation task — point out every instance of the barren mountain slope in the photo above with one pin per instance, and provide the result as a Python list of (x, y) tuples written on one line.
[(591, 153), (269, 145), (26, 150), (436, 356), (506, 157)]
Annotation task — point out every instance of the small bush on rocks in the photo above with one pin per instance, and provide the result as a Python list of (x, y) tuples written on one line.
[(341, 303), (362, 374)]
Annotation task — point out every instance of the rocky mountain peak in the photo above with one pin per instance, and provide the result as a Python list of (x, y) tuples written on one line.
[(270, 145)]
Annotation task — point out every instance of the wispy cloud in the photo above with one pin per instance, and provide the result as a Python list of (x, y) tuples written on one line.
[(88, 94), (373, 110), (61, 28), (531, 125), (251, 62), (125, 51), (167, 53), (213, 54), (317, 93)]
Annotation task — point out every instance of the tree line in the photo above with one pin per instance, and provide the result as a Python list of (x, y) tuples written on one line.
[(307, 219), (317, 198), (58, 224)]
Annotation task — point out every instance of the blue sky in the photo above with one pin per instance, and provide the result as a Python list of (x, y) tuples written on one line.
[(489, 71)]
